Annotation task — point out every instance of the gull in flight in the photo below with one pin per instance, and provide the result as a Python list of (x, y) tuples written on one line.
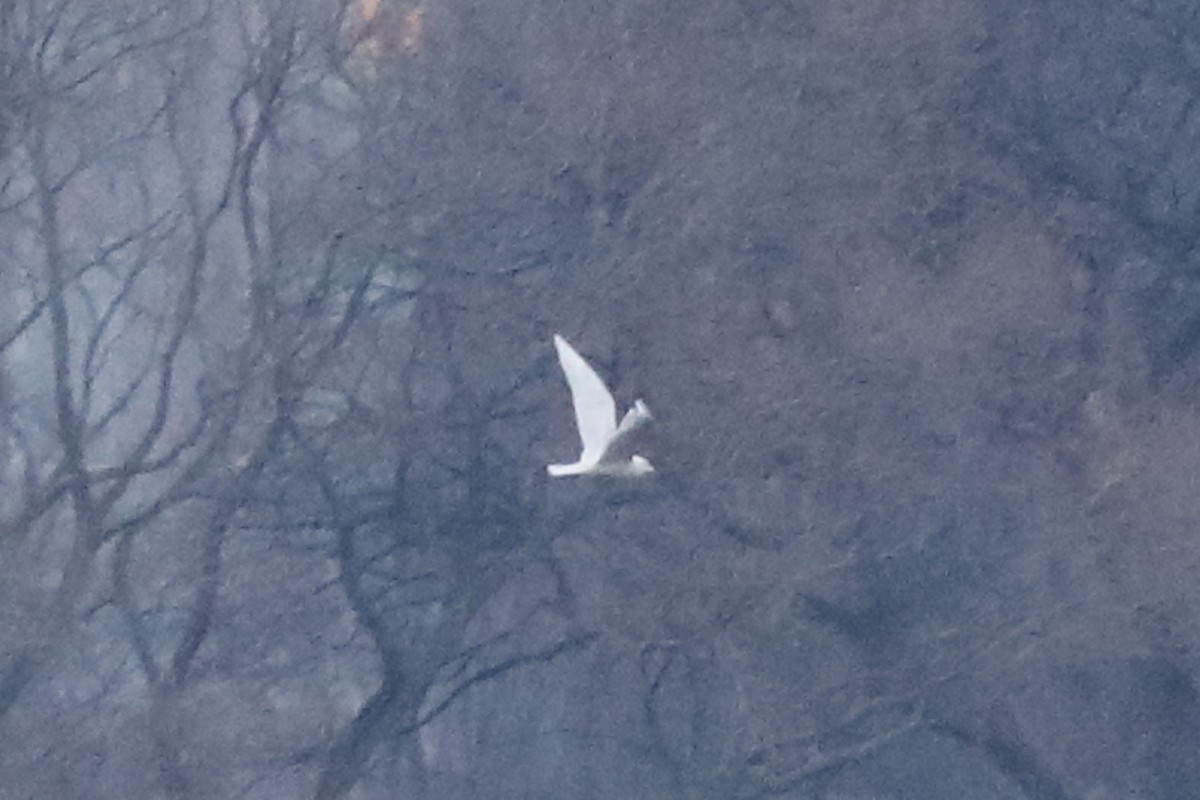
[(605, 443)]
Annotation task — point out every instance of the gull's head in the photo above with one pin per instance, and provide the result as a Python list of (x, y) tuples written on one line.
[(639, 466)]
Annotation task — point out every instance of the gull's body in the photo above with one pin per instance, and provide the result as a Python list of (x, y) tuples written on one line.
[(605, 443)]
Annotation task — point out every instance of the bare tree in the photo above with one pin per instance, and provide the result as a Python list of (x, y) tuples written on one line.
[(276, 397)]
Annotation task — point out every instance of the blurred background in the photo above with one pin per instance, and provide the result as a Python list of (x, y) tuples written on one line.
[(913, 290)]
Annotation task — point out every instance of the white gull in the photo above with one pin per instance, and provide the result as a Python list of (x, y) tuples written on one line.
[(605, 443)]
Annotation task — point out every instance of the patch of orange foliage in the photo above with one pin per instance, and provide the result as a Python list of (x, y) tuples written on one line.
[(377, 30)]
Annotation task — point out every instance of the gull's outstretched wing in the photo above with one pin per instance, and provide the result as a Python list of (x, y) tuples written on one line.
[(623, 444), (595, 410)]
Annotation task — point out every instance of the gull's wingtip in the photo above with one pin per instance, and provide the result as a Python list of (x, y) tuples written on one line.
[(642, 409), (562, 346)]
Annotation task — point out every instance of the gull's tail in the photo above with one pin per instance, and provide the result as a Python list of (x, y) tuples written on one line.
[(562, 470)]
